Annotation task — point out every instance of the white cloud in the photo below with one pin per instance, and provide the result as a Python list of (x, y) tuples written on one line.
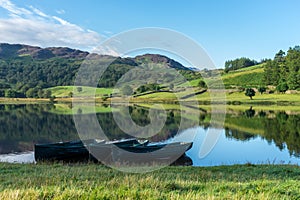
[(6, 4), (38, 12), (61, 21), (61, 12), (34, 27)]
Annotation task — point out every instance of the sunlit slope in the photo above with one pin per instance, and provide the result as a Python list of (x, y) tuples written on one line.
[(246, 77), (64, 91)]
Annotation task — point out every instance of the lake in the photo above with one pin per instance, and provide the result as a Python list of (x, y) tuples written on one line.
[(257, 135)]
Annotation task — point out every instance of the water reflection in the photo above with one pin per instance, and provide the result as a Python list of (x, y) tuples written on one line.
[(279, 128), (24, 125), (24, 157), (232, 151), (249, 135)]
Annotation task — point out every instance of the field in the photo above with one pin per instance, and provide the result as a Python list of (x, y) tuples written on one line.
[(68, 109), (231, 97), (246, 77), (90, 181), (64, 91)]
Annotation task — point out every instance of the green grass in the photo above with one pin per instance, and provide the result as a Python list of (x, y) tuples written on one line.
[(259, 66), (250, 76), (57, 181), (161, 95), (258, 98), (193, 83), (68, 109), (240, 97), (63, 91)]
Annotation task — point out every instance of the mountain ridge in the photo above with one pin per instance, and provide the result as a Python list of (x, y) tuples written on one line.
[(11, 51), (16, 50)]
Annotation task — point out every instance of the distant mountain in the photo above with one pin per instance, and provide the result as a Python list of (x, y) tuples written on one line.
[(156, 58), (10, 51), (17, 50), (23, 67)]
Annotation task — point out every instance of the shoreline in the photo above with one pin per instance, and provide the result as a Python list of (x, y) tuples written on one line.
[(198, 101)]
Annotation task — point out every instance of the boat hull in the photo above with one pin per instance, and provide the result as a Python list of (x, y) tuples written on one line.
[(125, 152), (139, 155)]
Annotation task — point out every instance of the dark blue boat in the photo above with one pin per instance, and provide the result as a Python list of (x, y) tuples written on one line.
[(129, 151), (75, 150)]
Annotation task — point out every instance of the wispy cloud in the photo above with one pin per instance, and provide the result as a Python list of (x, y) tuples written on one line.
[(32, 26), (38, 12), (61, 12), (6, 4)]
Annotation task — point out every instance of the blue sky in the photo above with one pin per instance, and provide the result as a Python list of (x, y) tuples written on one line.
[(225, 29)]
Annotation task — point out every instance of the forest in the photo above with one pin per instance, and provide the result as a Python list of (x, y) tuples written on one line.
[(284, 70)]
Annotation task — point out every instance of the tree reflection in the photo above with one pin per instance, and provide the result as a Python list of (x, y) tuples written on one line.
[(24, 125), (250, 112), (277, 127)]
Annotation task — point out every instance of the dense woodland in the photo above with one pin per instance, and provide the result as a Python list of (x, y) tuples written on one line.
[(239, 63), (284, 70)]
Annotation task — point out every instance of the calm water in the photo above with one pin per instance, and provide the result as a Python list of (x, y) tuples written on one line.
[(251, 135)]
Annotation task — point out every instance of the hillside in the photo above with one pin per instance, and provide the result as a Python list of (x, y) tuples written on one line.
[(26, 71), (245, 77), (24, 68), (10, 51)]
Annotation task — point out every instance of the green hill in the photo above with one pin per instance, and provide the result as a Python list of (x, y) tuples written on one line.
[(246, 77), (27, 70)]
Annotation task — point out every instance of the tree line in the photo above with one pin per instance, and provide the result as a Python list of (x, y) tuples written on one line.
[(284, 70), (239, 63)]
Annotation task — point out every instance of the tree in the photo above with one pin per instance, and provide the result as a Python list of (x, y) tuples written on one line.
[(284, 68), (40, 93), (250, 112), (10, 93), (262, 89), (2, 93), (293, 68), (202, 84), (32, 93), (127, 90), (70, 94), (79, 89), (279, 57), (52, 99), (282, 87), (250, 93), (47, 94), (239, 63), (142, 89)]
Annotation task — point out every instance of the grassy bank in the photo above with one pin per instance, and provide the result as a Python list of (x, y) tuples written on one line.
[(59, 181), (231, 98)]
